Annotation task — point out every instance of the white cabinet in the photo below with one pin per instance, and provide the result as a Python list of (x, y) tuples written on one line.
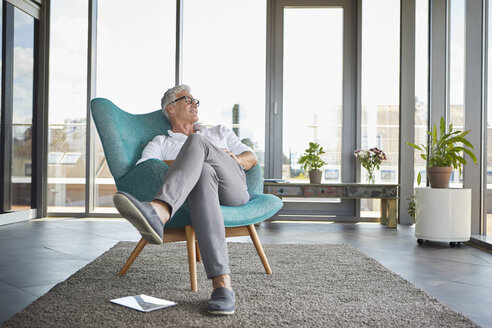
[(442, 215)]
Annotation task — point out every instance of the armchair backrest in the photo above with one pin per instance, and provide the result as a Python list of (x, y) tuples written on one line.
[(124, 135)]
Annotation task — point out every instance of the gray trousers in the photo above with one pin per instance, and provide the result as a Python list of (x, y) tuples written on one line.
[(208, 177)]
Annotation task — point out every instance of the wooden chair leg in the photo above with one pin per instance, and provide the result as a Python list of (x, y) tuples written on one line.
[(141, 244), (198, 255), (190, 245), (259, 248)]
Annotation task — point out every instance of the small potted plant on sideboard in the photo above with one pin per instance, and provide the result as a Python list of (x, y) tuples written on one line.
[(312, 161)]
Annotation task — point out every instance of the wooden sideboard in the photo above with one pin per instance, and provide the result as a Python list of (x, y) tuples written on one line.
[(388, 193)]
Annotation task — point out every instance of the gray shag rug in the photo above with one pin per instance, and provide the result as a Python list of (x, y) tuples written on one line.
[(311, 286)]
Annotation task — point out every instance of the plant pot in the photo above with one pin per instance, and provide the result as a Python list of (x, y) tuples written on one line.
[(439, 176), (315, 176)]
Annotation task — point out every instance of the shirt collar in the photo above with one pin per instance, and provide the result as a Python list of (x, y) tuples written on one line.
[(174, 135), (197, 127)]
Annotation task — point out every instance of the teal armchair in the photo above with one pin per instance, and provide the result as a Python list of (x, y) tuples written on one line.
[(124, 136)]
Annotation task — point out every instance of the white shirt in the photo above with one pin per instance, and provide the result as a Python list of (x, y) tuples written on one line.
[(167, 147)]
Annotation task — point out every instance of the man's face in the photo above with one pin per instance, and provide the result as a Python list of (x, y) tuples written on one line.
[(182, 111)]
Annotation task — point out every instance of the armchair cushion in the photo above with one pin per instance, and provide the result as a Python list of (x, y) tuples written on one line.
[(258, 209)]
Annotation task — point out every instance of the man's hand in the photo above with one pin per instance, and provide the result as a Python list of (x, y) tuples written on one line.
[(246, 159), (230, 153), (168, 162)]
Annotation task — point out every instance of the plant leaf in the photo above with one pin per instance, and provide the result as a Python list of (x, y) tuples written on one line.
[(460, 159), (467, 143), (472, 156), (459, 139), (414, 146), (442, 126)]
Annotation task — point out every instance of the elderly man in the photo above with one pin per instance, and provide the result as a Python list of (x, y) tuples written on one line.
[(208, 170)]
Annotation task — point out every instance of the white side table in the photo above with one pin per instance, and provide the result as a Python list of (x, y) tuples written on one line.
[(442, 215)]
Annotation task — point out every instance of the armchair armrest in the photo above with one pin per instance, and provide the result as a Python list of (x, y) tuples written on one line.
[(254, 180), (144, 180)]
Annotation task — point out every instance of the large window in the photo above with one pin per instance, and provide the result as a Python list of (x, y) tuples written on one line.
[(224, 50), (22, 111), (68, 106), (456, 73), (312, 89), (489, 122), (380, 87), (2, 119), (135, 66), (421, 84)]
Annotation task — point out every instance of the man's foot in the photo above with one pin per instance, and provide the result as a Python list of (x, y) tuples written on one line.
[(142, 215), (222, 302), (162, 209)]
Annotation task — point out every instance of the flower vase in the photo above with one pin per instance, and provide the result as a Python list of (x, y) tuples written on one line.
[(370, 176)]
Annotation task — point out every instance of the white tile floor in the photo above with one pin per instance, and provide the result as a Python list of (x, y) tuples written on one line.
[(38, 254)]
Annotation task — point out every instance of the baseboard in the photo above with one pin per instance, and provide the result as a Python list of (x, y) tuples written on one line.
[(481, 242), (15, 217)]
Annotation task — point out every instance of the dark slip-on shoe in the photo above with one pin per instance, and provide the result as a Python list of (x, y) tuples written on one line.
[(222, 302), (142, 215)]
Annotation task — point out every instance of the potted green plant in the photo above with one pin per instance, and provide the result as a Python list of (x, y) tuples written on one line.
[(312, 161), (445, 152)]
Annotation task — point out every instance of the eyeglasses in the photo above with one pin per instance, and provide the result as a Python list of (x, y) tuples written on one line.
[(188, 100)]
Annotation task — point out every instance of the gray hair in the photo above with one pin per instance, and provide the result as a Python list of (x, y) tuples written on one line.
[(170, 96)]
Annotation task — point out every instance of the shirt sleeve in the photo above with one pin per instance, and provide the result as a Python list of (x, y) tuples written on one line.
[(153, 150), (233, 143)]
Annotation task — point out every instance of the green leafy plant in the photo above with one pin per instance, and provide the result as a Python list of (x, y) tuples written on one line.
[(411, 206), (446, 148), (311, 159)]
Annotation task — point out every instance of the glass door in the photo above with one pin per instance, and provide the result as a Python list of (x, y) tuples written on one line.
[(22, 111), (315, 62), (312, 88), (18, 61)]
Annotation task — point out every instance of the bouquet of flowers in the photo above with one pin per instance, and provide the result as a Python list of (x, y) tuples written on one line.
[(370, 159)]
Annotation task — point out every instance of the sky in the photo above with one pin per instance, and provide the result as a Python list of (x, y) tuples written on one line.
[(68, 61), (136, 52), (224, 53), (23, 67)]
